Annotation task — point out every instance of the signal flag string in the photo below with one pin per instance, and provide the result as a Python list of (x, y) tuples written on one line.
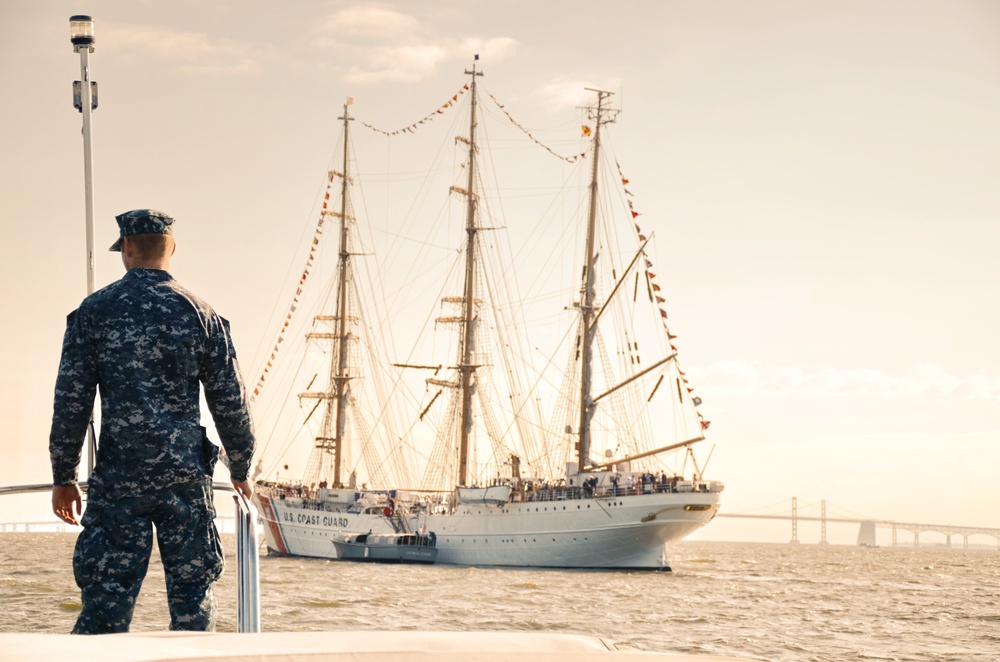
[(440, 110), (569, 159), (310, 258), (427, 118), (654, 290)]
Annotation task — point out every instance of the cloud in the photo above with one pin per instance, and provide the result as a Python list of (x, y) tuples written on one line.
[(926, 380), (387, 45), (190, 52), (365, 21), (493, 50), (562, 93), (403, 63)]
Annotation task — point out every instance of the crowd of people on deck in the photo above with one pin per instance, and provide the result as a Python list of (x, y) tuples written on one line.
[(644, 483), (282, 489), (618, 484)]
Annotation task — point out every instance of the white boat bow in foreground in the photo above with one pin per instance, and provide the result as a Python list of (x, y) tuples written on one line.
[(411, 646)]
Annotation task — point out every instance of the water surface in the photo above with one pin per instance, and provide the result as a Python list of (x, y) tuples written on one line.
[(760, 601)]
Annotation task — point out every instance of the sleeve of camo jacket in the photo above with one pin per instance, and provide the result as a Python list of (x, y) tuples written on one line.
[(76, 386), (226, 397)]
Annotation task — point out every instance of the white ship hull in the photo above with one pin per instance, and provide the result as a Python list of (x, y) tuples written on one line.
[(615, 532)]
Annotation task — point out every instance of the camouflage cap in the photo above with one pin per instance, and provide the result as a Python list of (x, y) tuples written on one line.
[(141, 221)]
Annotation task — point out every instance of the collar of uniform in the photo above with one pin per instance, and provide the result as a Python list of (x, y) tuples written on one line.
[(142, 273)]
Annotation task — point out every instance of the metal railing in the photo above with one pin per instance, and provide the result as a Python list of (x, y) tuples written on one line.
[(247, 555), (247, 566)]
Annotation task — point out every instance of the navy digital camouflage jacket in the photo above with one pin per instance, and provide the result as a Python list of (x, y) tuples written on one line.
[(147, 344)]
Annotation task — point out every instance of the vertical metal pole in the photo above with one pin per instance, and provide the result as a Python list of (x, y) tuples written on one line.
[(86, 108), (87, 103), (247, 567)]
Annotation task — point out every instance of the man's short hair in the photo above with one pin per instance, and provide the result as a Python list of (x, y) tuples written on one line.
[(151, 246)]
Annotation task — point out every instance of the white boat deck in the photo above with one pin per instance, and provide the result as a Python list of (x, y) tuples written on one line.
[(370, 646)]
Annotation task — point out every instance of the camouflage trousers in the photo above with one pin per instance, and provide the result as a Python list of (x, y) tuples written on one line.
[(112, 556)]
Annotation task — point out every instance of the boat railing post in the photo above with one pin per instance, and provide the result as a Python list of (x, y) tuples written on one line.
[(247, 566)]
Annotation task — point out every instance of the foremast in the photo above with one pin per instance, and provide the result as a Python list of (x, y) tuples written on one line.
[(601, 115), (330, 440)]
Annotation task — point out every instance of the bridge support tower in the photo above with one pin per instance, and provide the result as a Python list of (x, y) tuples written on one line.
[(866, 534), (822, 534), (795, 520)]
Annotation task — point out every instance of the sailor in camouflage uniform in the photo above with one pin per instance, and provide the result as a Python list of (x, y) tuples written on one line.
[(147, 343)]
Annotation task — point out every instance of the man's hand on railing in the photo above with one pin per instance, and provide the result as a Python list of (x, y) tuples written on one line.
[(244, 487)]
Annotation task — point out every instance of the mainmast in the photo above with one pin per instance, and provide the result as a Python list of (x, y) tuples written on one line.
[(466, 367), (340, 378), (587, 325), (338, 393)]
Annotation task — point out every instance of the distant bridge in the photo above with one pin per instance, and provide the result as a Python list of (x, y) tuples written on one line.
[(226, 524), (51, 526), (866, 533)]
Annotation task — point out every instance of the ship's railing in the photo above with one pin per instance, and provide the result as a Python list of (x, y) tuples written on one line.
[(247, 562), (247, 567), (289, 490), (247, 556), (600, 491)]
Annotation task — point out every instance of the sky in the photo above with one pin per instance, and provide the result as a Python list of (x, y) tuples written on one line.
[(821, 177)]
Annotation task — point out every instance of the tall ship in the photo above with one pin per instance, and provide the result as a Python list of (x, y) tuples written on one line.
[(606, 478)]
